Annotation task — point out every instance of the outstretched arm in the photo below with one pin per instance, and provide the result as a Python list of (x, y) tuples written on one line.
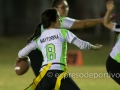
[(85, 45), (69, 23), (80, 24), (71, 38), (107, 23)]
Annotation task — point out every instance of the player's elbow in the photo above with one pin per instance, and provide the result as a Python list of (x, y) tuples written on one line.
[(105, 24), (108, 25), (20, 54)]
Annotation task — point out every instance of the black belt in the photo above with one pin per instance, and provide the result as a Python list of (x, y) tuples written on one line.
[(54, 63)]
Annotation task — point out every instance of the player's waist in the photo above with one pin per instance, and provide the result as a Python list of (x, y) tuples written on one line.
[(55, 63)]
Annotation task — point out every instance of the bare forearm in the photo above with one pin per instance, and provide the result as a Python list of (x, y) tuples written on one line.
[(80, 24), (92, 22), (106, 18), (107, 23)]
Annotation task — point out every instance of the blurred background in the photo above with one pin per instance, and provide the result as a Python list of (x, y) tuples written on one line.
[(18, 18)]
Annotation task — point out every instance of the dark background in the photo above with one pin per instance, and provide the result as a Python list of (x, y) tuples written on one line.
[(20, 17)]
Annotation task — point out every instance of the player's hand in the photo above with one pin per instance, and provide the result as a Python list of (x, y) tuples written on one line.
[(112, 17), (19, 59), (96, 47), (110, 5)]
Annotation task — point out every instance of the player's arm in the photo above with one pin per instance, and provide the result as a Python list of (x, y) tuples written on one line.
[(71, 38), (69, 23), (27, 49), (85, 45), (80, 24), (107, 22)]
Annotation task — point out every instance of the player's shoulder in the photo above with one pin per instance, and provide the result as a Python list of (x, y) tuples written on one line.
[(63, 31), (50, 32), (59, 30), (67, 18), (55, 31)]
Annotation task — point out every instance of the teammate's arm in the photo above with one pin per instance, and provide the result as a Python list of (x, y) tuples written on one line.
[(80, 24), (107, 22), (69, 23)]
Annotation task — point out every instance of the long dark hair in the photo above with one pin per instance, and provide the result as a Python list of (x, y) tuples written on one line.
[(48, 16), (55, 3)]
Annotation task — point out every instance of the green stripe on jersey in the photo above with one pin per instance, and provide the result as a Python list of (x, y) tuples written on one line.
[(64, 33), (63, 55), (64, 49), (118, 38), (42, 29), (117, 57), (61, 23), (36, 40)]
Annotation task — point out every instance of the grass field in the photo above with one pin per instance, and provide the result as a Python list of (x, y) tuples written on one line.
[(94, 64)]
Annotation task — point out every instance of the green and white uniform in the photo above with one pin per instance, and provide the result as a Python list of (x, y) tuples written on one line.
[(115, 53), (53, 45)]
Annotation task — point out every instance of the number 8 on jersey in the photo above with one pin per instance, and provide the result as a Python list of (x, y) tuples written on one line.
[(50, 50)]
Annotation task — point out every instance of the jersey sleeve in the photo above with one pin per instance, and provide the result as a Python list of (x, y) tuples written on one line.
[(71, 38), (116, 27), (27, 49), (67, 35), (67, 22)]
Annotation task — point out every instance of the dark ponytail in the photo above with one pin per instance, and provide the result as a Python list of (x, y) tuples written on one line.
[(36, 34), (48, 16)]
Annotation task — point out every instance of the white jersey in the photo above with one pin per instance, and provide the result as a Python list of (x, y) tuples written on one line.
[(53, 45), (67, 22), (115, 53)]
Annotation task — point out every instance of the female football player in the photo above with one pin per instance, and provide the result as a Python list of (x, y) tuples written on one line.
[(68, 23), (113, 61), (53, 45)]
